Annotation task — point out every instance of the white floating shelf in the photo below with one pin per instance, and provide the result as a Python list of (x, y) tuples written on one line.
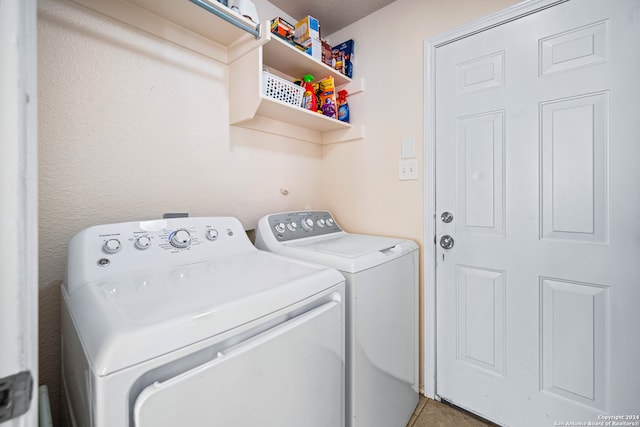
[(293, 62), (189, 25)]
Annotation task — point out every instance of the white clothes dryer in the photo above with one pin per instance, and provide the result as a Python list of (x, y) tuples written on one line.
[(382, 309), (183, 322)]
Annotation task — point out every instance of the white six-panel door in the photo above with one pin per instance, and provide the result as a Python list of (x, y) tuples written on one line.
[(537, 139)]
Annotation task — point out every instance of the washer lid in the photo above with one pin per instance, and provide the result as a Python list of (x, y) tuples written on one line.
[(133, 319), (348, 252), (347, 245)]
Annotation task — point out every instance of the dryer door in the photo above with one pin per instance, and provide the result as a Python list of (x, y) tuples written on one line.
[(277, 378)]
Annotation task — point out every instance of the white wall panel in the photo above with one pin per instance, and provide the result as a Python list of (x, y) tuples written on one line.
[(480, 173), (480, 73), (574, 319), (575, 170), (481, 320), (573, 49)]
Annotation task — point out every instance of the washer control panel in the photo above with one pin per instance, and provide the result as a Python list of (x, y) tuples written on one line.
[(297, 225)]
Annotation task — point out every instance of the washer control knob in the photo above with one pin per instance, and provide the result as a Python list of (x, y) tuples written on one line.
[(112, 246), (307, 224), (180, 238), (292, 226), (212, 234), (143, 242), (280, 227), (320, 223), (330, 222)]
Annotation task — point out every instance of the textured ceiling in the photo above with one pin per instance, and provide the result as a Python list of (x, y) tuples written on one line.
[(333, 15)]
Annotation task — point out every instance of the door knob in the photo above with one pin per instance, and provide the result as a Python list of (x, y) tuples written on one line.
[(446, 242), (446, 217)]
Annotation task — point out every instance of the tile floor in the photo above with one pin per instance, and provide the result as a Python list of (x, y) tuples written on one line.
[(430, 413)]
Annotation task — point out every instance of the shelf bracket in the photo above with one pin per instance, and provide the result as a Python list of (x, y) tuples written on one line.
[(229, 18), (344, 135)]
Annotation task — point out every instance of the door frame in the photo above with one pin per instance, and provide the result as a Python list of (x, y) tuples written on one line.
[(19, 212), (429, 325)]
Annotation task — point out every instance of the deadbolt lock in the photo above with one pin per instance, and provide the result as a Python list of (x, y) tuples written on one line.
[(446, 217)]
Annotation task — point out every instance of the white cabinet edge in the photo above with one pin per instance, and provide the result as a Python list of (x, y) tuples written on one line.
[(154, 24)]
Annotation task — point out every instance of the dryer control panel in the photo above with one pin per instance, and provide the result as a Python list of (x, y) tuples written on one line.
[(104, 251), (297, 225)]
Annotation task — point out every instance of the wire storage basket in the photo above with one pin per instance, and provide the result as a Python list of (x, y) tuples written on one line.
[(281, 89)]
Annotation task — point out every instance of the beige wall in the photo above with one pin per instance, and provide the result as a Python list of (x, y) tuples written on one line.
[(360, 179), (131, 127)]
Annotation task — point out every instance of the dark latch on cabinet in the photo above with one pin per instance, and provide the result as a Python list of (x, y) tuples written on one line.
[(15, 395)]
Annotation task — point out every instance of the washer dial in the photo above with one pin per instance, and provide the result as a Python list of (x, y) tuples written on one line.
[(307, 224), (292, 226), (180, 238)]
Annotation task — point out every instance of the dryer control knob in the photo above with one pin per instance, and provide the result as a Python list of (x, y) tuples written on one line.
[(180, 239), (320, 223), (112, 246), (143, 242), (280, 227), (212, 234), (330, 222), (307, 224), (292, 226)]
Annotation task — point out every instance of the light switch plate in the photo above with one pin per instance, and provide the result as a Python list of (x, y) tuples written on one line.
[(407, 169), (408, 148)]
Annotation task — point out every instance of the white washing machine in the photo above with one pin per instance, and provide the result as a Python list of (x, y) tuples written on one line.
[(382, 309), (183, 322)]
